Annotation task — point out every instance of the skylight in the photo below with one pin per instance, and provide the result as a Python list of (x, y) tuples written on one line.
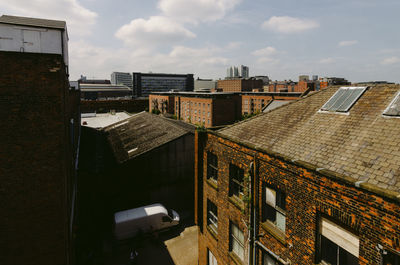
[(343, 99), (394, 107)]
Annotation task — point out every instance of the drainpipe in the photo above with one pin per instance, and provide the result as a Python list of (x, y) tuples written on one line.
[(255, 208), (250, 235)]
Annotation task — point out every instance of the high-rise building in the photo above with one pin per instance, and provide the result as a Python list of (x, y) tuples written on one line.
[(236, 72), (39, 143), (119, 78), (146, 83), (244, 71)]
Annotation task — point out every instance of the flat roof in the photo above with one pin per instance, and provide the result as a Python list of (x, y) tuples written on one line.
[(101, 120), (34, 22)]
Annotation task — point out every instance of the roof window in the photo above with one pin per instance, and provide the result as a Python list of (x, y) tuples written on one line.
[(394, 107), (343, 99)]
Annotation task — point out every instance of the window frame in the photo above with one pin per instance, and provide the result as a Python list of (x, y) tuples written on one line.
[(234, 173), (278, 208), (212, 224), (212, 167), (338, 249), (233, 237)]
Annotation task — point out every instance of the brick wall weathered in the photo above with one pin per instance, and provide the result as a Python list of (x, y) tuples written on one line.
[(36, 158), (310, 195)]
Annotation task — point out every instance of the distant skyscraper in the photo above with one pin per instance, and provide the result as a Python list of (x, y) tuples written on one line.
[(119, 78), (244, 71), (235, 72), (229, 72)]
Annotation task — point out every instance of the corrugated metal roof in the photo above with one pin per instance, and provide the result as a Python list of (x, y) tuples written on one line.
[(35, 22)]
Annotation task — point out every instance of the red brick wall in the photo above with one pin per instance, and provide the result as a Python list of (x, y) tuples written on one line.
[(161, 98), (238, 85), (36, 159), (309, 195)]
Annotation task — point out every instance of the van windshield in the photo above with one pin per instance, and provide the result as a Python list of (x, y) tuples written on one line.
[(170, 214)]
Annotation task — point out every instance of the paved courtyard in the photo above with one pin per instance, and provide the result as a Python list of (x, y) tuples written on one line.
[(177, 247)]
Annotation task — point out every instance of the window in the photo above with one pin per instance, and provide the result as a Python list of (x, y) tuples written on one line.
[(212, 166), (337, 245), (391, 258), (394, 108), (343, 99), (236, 181), (274, 208), (269, 260), (211, 258), (236, 240), (212, 216)]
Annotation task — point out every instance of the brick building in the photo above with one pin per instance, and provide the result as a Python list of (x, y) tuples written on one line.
[(208, 109), (255, 102), (316, 181), (239, 85), (39, 139)]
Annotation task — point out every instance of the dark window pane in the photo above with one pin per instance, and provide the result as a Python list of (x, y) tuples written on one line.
[(270, 213), (345, 258), (280, 200), (328, 251), (391, 259)]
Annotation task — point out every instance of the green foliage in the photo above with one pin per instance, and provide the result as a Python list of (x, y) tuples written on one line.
[(246, 116), (155, 111), (201, 128)]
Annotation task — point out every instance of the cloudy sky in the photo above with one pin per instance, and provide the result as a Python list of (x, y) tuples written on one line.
[(356, 39)]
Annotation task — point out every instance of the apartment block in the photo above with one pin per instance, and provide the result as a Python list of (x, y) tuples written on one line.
[(39, 142), (315, 182), (256, 102), (204, 109), (239, 85)]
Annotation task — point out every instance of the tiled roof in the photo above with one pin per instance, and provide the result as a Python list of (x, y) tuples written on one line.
[(361, 144), (142, 133), (35, 22)]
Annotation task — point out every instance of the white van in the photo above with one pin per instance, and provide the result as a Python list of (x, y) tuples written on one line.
[(144, 219)]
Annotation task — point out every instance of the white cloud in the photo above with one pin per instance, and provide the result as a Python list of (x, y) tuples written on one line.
[(195, 11), (234, 45), (286, 24), (347, 43), (266, 55), (79, 19), (267, 51), (157, 30), (327, 60), (99, 62), (391, 60)]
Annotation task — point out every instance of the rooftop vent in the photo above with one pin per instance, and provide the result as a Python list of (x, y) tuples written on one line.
[(343, 99)]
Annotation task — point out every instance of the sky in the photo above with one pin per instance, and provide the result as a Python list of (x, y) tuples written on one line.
[(355, 39)]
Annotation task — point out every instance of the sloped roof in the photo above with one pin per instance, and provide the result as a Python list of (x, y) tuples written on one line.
[(141, 133), (361, 144), (34, 22)]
